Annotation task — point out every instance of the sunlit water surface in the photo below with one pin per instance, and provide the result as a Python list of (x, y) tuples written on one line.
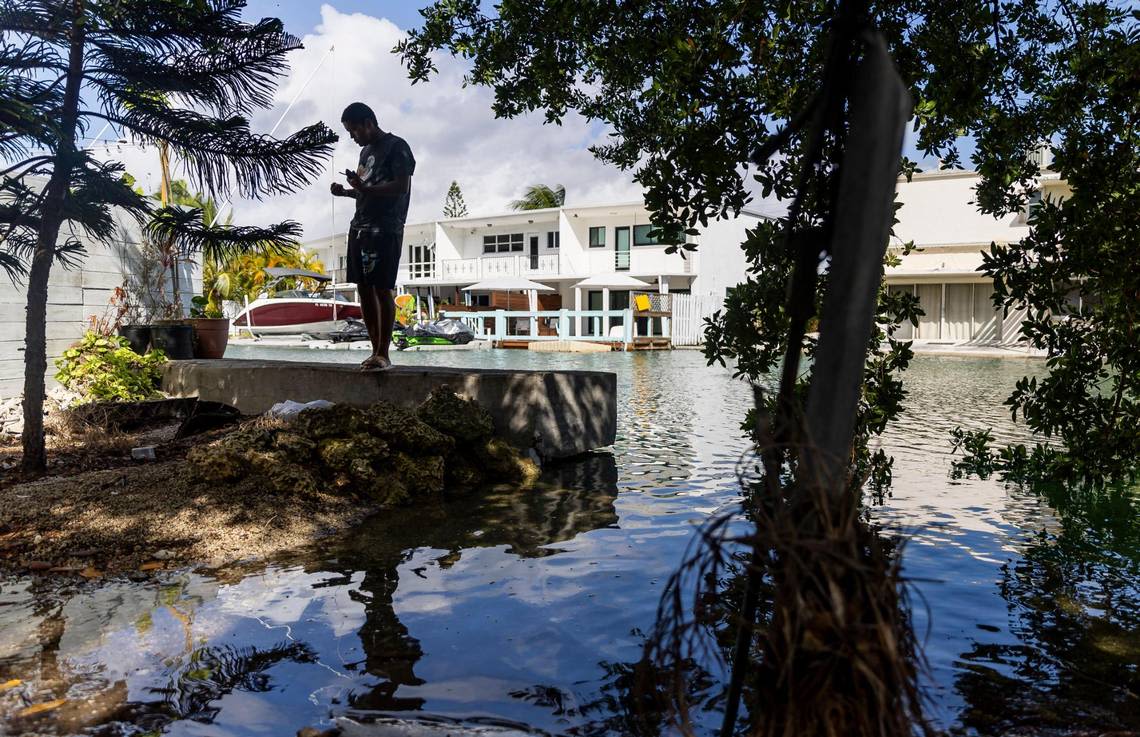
[(528, 607)]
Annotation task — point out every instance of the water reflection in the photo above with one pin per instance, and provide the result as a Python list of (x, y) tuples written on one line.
[(205, 649), (531, 607), (1074, 604), (574, 498)]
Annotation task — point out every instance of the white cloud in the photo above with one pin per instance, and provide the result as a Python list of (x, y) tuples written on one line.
[(451, 131)]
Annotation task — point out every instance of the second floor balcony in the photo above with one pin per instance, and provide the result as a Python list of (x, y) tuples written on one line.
[(642, 261)]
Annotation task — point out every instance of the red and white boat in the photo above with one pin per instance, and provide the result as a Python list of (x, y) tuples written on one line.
[(296, 311)]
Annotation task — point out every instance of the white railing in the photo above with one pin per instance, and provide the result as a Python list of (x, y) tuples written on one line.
[(602, 326), (640, 260), (488, 267)]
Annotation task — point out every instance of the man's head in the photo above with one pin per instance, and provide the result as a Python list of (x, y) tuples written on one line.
[(360, 122)]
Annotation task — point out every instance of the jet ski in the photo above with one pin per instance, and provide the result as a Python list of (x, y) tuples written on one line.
[(440, 332)]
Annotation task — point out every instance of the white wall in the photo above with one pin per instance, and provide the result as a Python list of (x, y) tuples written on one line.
[(719, 260), (938, 209), (74, 297)]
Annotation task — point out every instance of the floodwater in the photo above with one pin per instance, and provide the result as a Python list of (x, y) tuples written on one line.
[(528, 608)]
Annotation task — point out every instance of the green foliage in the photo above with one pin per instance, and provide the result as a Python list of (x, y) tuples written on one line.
[(1078, 272), (453, 205), (243, 277), (201, 307), (103, 367), (691, 89), (540, 197)]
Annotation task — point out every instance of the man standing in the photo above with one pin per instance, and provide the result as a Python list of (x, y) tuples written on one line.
[(382, 188)]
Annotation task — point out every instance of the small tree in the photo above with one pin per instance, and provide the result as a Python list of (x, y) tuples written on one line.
[(182, 73), (540, 197), (454, 206)]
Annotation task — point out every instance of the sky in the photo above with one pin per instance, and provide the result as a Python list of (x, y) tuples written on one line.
[(451, 130)]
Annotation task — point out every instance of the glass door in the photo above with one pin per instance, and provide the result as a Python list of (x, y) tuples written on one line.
[(621, 249), (534, 253)]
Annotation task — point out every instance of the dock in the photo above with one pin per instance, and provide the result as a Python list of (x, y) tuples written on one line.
[(619, 330), (558, 414)]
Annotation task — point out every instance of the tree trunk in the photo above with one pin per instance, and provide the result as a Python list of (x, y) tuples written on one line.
[(35, 338)]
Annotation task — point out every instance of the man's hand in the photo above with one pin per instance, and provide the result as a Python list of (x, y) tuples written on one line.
[(354, 181), (338, 190)]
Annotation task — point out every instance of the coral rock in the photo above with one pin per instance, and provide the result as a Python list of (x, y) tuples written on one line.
[(422, 475), (463, 419)]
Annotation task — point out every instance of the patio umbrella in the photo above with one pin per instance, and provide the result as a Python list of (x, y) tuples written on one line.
[(613, 281), (508, 284)]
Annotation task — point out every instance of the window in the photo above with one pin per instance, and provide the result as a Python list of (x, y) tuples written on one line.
[(598, 237), (421, 258), (641, 237), (594, 300), (553, 239), (503, 243)]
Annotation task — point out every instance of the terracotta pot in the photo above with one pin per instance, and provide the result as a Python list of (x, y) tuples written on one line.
[(211, 336)]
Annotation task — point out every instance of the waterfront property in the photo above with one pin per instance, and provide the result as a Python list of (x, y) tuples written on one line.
[(612, 245), (594, 260), (940, 218)]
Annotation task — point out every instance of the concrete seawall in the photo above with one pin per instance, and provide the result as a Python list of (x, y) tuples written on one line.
[(558, 413)]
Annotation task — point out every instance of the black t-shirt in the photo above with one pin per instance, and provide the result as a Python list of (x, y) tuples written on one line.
[(383, 161)]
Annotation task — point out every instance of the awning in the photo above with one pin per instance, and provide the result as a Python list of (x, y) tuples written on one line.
[(508, 284), (277, 272), (612, 281)]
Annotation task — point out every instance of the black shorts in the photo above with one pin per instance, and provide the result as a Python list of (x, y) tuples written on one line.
[(374, 257)]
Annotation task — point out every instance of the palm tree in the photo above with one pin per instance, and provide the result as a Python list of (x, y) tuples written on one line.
[(182, 74), (243, 277), (539, 197)]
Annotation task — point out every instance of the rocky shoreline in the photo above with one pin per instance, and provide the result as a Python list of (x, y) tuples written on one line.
[(268, 486)]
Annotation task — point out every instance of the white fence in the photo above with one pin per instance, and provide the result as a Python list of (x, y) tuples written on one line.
[(689, 313)]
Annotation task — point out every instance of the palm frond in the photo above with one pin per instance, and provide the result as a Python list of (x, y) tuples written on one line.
[(228, 78), (186, 228), (14, 251), (540, 197), (70, 253), (27, 102), (221, 152), (168, 25), (97, 187), (36, 18)]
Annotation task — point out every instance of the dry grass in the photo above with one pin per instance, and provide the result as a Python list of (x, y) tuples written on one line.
[(118, 520)]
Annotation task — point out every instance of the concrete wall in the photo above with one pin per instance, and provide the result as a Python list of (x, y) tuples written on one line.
[(557, 413), (74, 297)]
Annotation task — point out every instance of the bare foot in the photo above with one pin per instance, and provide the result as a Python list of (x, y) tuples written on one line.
[(376, 363)]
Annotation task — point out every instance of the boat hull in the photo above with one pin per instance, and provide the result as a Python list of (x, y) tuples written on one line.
[(295, 316)]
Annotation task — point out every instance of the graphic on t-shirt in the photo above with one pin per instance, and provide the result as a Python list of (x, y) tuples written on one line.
[(364, 171)]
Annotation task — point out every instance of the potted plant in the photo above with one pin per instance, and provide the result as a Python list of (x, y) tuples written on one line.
[(129, 320), (211, 329)]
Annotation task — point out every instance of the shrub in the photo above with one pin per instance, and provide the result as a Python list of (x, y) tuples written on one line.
[(102, 367)]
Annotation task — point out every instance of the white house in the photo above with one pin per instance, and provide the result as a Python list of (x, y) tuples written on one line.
[(560, 247), (939, 216)]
